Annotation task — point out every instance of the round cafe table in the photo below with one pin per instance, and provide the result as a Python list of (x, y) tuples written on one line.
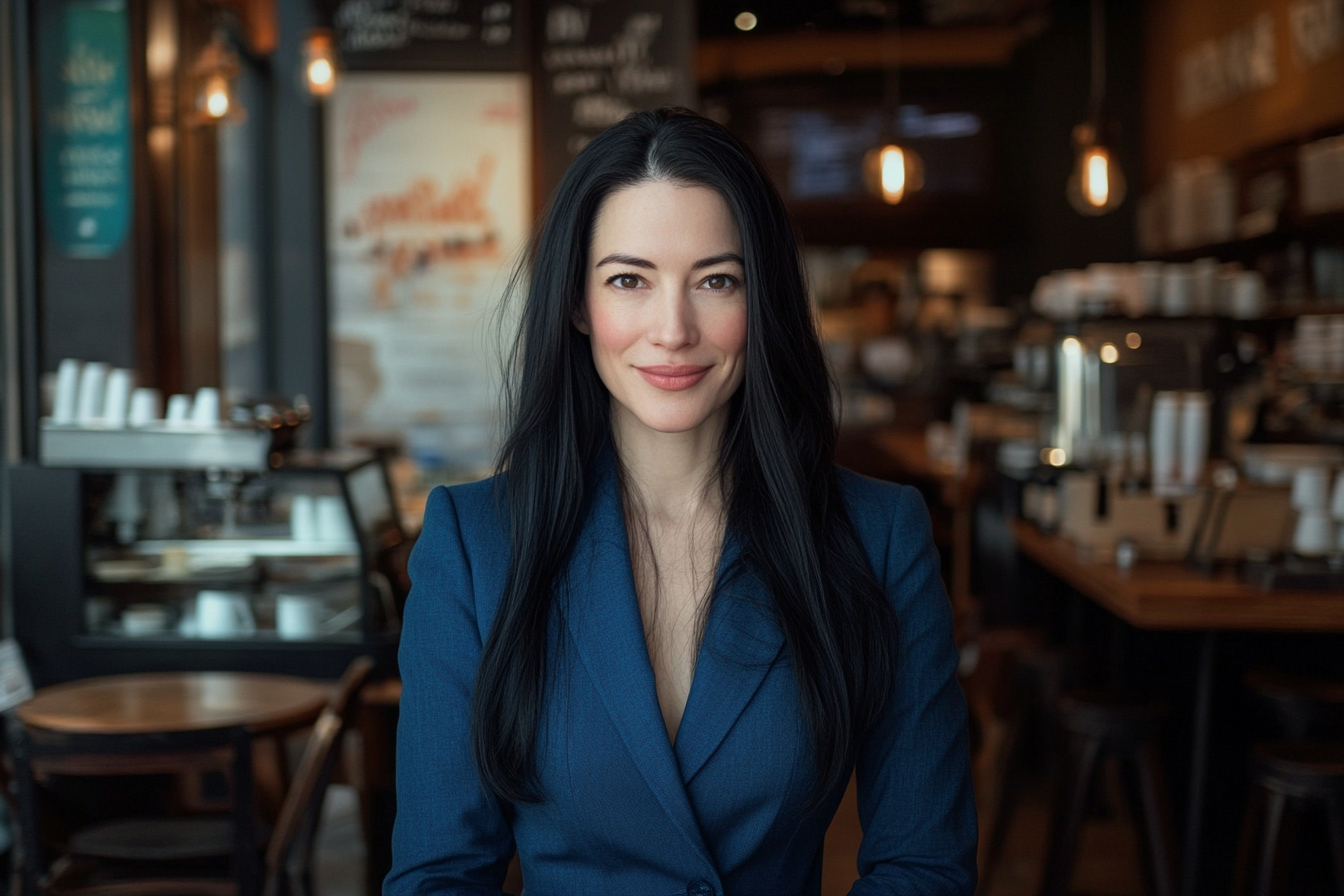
[(169, 702)]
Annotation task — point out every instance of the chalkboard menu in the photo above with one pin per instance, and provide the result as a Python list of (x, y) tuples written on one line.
[(431, 35), (600, 60)]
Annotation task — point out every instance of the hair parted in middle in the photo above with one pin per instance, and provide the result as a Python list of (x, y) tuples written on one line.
[(782, 498)]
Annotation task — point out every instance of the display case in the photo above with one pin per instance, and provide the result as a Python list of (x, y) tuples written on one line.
[(293, 565)]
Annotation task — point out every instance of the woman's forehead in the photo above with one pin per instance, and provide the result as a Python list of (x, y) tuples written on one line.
[(664, 218)]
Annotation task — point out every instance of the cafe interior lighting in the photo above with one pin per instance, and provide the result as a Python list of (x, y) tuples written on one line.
[(1096, 184), (1133, 340), (215, 70), (745, 21), (891, 170), (1109, 354), (319, 62)]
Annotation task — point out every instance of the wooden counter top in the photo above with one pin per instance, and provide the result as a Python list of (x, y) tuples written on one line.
[(1170, 595)]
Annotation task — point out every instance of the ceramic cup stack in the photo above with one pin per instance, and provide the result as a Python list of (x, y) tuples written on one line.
[(1314, 534)]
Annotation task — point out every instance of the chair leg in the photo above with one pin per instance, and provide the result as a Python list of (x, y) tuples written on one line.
[(1141, 780), (1010, 791), (1335, 829), (1084, 754), (1275, 803)]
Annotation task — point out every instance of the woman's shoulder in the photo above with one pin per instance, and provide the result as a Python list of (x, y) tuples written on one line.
[(875, 503), (472, 512)]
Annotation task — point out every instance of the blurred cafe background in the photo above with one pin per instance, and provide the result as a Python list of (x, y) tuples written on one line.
[(1078, 266)]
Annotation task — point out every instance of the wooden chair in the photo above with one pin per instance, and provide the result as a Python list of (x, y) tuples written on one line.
[(155, 856)]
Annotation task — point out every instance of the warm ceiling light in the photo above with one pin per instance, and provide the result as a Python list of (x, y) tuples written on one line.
[(1133, 340), (1109, 353), (319, 70), (745, 21), (1097, 185), (892, 171), (215, 69)]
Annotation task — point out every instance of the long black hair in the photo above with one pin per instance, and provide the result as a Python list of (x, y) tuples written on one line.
[(783, 501)]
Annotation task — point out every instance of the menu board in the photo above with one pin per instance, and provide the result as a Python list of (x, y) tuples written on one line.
[(601, 60), (429, 35), (428, 207)]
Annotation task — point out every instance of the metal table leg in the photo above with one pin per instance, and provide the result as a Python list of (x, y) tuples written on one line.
[(1199, 764)]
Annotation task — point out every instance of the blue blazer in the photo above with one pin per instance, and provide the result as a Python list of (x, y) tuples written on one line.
[(628, 813)]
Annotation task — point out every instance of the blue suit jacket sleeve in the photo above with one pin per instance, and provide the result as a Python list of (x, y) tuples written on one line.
[(451, 836), (916, 803)]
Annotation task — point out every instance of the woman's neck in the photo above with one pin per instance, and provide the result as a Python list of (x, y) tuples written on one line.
[(670, 473)]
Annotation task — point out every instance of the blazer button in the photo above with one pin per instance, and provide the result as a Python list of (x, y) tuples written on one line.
[(699, 888)]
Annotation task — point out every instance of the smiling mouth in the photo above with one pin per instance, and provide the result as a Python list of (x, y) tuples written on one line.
[(673, 377)]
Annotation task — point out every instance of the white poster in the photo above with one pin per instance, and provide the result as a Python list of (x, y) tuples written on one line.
[(429, 193)]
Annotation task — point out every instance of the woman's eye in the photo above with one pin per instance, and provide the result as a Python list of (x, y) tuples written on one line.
[(625, 281), (720, 282)]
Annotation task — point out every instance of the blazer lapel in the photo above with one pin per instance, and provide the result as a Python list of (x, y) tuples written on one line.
[(601, 611), (742, 640)]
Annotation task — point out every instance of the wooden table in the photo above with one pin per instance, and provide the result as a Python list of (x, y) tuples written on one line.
[(1171, 596), (165, 702), (957, 490)]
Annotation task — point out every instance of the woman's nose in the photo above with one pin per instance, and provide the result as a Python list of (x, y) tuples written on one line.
[(673, 323)]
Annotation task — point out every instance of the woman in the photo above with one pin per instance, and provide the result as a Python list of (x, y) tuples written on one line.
[(649, 652)]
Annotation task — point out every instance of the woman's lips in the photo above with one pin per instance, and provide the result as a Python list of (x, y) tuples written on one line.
[(673, 377)]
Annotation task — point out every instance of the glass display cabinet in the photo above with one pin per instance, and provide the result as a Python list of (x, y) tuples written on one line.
[(288, 562)]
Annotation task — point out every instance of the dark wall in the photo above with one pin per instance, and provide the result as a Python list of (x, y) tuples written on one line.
[(1050, 78)]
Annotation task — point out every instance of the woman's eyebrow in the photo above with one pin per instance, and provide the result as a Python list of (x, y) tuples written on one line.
[(617, 258), (635, 261), (718, 259)]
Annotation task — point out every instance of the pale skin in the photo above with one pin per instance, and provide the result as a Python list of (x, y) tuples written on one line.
[(665, 310)]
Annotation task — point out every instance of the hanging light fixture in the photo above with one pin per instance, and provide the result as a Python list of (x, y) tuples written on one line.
[(215, 70), (1096, 184), (319, 62), (891, 170)]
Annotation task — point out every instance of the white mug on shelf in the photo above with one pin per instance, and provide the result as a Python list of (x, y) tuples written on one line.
[(1311, 489), (144, 619), (144, 407), (117, 397), (205, 409), (302, 518), (1314, 534), (333, 519), (179, 410), (296, 616), (65, 406), (223, 614), (92, 383)]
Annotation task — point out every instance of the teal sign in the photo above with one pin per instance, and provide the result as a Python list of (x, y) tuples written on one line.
[(86, 128)]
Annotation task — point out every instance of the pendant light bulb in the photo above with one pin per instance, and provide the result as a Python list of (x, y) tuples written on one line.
[(892, 171), (215, 70), (319, 66), (1097, 185)]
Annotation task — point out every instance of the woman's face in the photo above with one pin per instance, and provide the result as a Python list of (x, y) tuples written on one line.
[(665, 305)]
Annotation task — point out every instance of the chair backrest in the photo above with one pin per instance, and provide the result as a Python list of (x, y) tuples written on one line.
[(289, 854), (34, 749)]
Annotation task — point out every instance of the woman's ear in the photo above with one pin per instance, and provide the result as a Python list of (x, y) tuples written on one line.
[(579, 317)]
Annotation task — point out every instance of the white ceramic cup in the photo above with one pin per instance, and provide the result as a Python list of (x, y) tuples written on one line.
[(1315, 533), (223, 614), (179, 409), (144, 619), (1246, 298), (117, 397), (296, 616), (1194, 438), (65, 407), (144, 407), (332, 518), (1177, 290), (1337, 498), (1311, 488), (205, 409), (92, 383), (302, 518)]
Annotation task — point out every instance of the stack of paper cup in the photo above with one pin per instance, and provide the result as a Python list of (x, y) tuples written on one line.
[(1164, 442), (117, 397), (65, 407), (92, 390), (1314, 534)]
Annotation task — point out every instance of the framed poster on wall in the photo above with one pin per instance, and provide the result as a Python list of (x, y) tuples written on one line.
[(428, 207)]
